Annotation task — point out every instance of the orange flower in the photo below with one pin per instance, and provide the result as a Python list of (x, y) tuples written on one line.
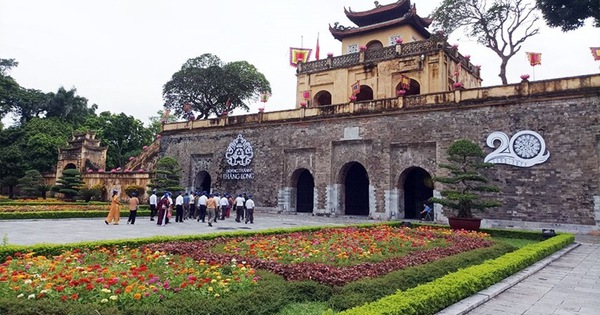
[(137, 296)]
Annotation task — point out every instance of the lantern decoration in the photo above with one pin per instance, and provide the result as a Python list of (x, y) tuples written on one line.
[(100, 171), (468, 57), (362, 48), (126, 170), (306, 95), (399, 40), (524, 77), (330, 55), (140, 170), (264, 96), (261, 109), (400, 92), (303, 104), (145, 148), (158, 136), (131, 158), (353, 98)]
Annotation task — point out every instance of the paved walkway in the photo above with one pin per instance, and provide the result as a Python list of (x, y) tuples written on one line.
[(565, 283), (568, 282), (28, 232)]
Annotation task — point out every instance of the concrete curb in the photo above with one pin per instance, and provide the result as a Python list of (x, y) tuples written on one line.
[(468, 304)]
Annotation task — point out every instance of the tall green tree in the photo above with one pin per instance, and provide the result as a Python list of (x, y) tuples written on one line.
[(213, 87), (42, 139), (12, 157), (68, 106), (569, 14), (29, 184), (124, 135), (157, 121), (11, 182), (500, 25), (69, 183), (8, 86), (167, 175)]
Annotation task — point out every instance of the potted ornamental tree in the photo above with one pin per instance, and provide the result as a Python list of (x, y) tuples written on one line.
[(464, 185)]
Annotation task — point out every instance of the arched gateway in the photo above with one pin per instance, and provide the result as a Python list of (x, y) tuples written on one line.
[(203, 181), (417, 186), (355, 179), (305, 190)]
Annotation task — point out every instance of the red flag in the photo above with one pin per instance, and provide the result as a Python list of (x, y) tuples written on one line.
[(595, 52), (534, 58), (317, 49)]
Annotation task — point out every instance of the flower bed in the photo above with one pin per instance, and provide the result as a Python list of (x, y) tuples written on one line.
[(118, 275), (49, 208), (335, 256)]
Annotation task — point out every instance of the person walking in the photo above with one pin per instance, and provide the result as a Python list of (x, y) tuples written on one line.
[(114, 214), (163, 210), (217, 202), (134, 202), (153, 200), (186, 206), (193, 202), (223, 204), (211, 208), (249, 210), (202, 206), (179, 208), (239, 208)]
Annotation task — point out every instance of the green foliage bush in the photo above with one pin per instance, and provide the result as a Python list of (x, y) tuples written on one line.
[(432, 297), (139, 190)]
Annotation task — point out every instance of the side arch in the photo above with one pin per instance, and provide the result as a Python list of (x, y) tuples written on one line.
[(416, 187), (203, 181), (366, 93), (322, 98), (414, 87)]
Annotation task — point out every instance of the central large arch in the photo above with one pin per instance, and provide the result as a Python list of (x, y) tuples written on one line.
[(356, 189), (203, 181), (417, 187), (305, 190)]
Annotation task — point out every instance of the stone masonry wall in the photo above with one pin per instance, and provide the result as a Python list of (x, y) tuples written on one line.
[(561, 190)]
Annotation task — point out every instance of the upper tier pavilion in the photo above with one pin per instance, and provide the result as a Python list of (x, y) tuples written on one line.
[(389, 53)]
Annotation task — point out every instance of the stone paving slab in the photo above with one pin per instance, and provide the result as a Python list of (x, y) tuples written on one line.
[(28, 232)]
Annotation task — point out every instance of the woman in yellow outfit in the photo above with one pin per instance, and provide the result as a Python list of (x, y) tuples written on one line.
[(115, 210)]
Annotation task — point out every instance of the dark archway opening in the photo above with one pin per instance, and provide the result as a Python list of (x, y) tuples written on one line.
[(203, 182), (305, 192), (356, 191), (366, 93), (323, 98), (414, 88), (70, 166), (374, 45), (418, 188)]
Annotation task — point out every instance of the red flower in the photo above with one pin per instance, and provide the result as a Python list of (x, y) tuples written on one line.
[(74, 296)]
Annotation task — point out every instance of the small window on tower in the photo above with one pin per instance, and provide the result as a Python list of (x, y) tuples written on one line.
[(352, 48)]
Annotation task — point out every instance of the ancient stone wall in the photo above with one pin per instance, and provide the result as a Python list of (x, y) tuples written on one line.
[(561, 190)]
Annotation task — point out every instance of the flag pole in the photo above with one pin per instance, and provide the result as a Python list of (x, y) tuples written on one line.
[(301, 41)]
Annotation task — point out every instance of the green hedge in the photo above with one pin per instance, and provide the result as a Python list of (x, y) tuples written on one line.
[(434, 296)]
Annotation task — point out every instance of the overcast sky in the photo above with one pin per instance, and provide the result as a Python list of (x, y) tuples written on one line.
[(119, 54)]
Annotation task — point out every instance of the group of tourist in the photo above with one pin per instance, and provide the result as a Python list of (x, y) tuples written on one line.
[(201, 206), (198, 205)]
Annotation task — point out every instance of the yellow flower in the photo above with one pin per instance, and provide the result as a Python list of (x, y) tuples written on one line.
[(113, 297), (217, 295), (106, 290), (210, 289), (104, 301), (213, 281)]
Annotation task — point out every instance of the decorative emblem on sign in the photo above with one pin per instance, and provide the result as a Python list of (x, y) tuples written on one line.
[(525, 149), (239, 152)]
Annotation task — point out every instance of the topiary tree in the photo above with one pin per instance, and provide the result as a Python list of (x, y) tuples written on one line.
[(87, 193), (69, 183), (28, 184), (43, 189), (167, 175), (465, 182)]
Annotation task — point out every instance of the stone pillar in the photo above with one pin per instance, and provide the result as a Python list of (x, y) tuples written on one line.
[(597, 210), (373, 203), (391, 204), (284, 200), (438, 209), (333, 205)]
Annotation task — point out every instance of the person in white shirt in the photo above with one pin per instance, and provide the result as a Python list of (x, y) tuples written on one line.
[(202, 206), (179, 208), (223, 204), (170, 207), (249, 210), (153, 203), (239, 208)]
